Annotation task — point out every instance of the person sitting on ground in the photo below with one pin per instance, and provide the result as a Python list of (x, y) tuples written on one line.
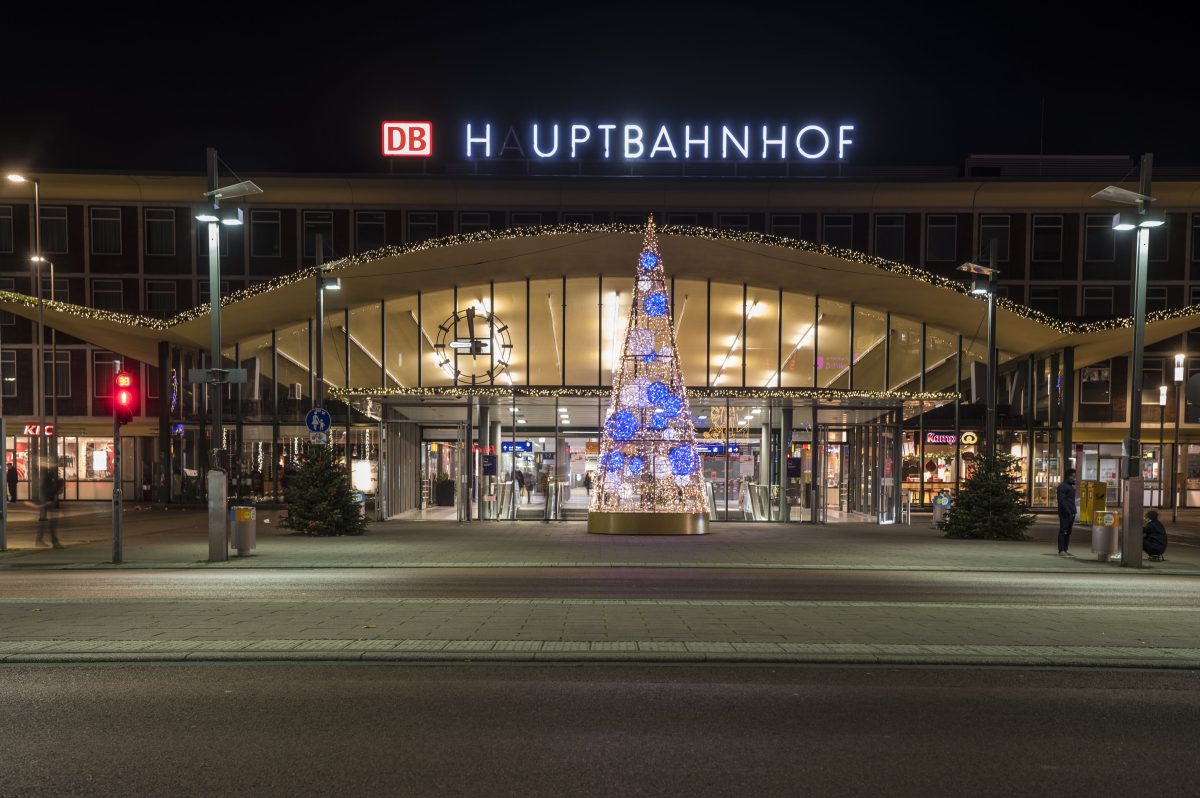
[(1154, 537)]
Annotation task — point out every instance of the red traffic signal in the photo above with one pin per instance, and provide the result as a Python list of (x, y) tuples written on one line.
[(123, 397)]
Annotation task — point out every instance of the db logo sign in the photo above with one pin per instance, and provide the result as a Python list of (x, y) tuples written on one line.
[(408, 139)]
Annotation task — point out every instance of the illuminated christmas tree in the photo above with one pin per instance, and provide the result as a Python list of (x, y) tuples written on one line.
[(649, 480)]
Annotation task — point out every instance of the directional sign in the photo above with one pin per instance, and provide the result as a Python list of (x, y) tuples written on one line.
[(319, 438), (318, 420), (199, 376)]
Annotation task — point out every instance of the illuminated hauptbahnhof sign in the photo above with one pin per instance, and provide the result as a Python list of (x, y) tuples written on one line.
[(629, 141)]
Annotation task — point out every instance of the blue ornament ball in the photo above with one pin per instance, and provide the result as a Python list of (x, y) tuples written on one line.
[(672, 405), (648, 260), (683, 460), (623, 425), (660, 421), (616, 461), (635, 464), (656, 304), (649, 357), (657, 392)]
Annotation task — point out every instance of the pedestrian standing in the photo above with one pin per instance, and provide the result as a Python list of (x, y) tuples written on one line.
[(11, 476), (587, 482), (47, 512), (1066, 512)]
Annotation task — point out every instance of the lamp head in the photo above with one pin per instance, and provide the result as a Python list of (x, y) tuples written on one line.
[(17, 178)]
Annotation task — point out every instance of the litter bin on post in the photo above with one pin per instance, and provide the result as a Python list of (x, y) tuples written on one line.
[(941, 503), (1106, 531), (244, 528), (360, 500)]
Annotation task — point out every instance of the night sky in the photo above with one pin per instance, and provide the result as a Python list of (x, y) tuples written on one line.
[(289, 89)]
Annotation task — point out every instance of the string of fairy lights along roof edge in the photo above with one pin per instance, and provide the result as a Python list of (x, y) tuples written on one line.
[(587, 392), (684, 231)]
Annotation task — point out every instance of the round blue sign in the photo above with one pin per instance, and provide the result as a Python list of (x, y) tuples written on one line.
[(318, 420)]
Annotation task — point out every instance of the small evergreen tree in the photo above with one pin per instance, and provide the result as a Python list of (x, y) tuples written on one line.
[(320, 498), (989, 505)]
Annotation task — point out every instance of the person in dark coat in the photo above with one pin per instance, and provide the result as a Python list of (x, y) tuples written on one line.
[(11, 476), (1066, 512), (1154, 536), (48, 511)]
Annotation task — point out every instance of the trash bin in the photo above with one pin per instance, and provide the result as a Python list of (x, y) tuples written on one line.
[(244, 529), (360, 499), (941, 503), (1106, 531)]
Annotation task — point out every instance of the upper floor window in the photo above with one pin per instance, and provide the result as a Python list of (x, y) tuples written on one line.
[(8, 373), (995, 227), (370, 228), (62, 289), (160, 297), (1095, 384), (1196, 236), (734, 221), (6, 229), (54, 230), (1160, 242), (1047, 238), (223, 234), (108, 295), (1097, 301), (1045, 298), (1100, 240), (785, 224), (422, 225), (526, 219), (680, 218), (102, 373), (160, 231), (578, 218), (889, 236), (318, 223), (837, 230), (58, 373), (941, 237), (265, 235), (474, 221), (1156, 298), (106, 231), (7, 284)]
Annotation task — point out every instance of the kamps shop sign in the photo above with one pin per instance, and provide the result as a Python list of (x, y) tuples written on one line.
[(627, 141)]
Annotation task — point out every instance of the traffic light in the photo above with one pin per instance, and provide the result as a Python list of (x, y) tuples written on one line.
[(123, 398)]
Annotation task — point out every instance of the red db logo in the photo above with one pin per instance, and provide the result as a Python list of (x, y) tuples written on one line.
[(408, 138)]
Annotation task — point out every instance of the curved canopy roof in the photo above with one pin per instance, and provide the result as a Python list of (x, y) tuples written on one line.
[(587, 250)]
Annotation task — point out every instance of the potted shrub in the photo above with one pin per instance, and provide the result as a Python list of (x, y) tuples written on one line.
[(443, 491)]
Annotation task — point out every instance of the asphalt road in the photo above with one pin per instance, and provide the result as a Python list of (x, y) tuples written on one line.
[(1117, 589), (405, 730)]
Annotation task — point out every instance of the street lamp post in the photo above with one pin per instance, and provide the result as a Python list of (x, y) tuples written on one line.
[(39, 369), (1162, 446), (323, 284), (984, 284), (1141, 219), (1179, 405)]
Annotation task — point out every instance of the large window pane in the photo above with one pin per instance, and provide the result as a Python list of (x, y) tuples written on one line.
[(583, 331), (904, 355), (402, 341), (436, 309), (869, 349), (833, 344), (725, 360), (941, 349), (366, 341), (799, 333), (509, 308), (545, 331), (691, 329), (762, 338)]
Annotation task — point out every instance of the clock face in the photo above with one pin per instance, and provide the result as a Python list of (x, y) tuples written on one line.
[(473, 347)]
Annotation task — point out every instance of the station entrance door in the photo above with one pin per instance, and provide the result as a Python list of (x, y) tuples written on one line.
[(858, 469)]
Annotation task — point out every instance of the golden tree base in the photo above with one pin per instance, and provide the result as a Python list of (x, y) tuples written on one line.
[(600, 523)]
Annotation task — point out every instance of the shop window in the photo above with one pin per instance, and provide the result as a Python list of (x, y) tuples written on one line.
[(265, 235), (7, 284), (1095, 384), (370, 230), (1156, 298), (889, 236), (8, 373), (1160, 242), (106, 231), (788, 225), (578, 218), (223, 235), (160, 231), (61, 388), (1100, 240), (6, 229), (734, 221), (108, 295), (474, 221), (1047, 238), (1097, 301), (941, 237), (160, 298), (1045, 298), (837, 230), (422, 225), (54, 230), (318, 223), (102, 373), (526, 219), (998, 228), (61, 293)]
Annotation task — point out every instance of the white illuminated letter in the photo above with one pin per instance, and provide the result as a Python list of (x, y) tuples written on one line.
[(781, 141), (631, 140), (486, 141), (576, 138), (608, 129), (662, 136), (800, 141), (842, 140), (553, 149), (728, 138), (512, 142), (688, 141)]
